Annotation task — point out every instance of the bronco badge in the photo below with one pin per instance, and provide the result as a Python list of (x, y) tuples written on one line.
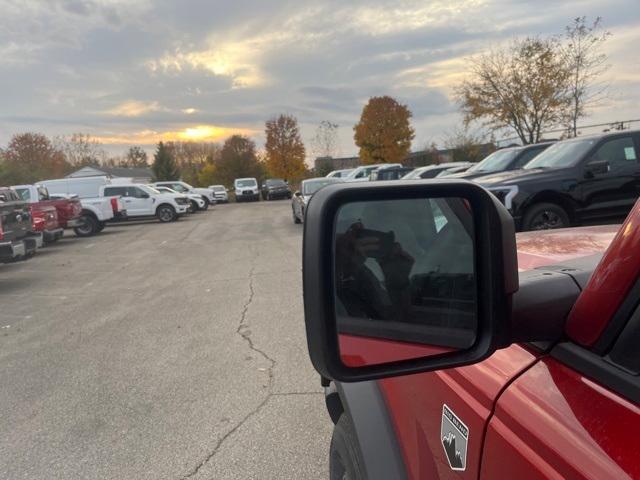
[(455, 436)]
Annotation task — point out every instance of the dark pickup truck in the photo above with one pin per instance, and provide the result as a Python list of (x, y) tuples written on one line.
[(16, 241), (585, 180)]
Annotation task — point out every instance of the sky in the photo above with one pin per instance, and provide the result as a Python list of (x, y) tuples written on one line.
[(133, 72)]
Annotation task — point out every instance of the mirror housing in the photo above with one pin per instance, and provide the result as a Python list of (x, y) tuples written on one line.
[(495, 269), (297, 193)]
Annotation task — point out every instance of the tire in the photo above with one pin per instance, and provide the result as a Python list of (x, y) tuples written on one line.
[(206, 202), (545, 216), (194, 206), (101, 226), (90, 226), (345, 460), (295, 217), (166, 213)]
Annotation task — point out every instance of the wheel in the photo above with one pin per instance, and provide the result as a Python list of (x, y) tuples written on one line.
[(206, 202), (295, 217), (89, 226), (345, 461), (166, 213), (544, 216), (101, 226), (194, 206)]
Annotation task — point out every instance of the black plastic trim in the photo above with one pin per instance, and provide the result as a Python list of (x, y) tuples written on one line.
[(379, 446), (597, 368)]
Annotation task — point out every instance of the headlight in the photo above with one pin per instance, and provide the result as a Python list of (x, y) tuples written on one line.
[(505, 194), (182, 201)]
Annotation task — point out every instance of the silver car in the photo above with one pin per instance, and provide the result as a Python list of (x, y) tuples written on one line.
[(301, 198)]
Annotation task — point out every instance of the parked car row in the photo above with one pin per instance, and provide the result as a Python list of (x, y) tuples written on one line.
[(32, 216), (585, 180)]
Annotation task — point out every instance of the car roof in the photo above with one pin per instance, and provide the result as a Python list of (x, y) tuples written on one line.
[(330, 179)]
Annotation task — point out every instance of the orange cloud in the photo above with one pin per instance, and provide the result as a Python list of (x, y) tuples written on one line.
[(199, 133)]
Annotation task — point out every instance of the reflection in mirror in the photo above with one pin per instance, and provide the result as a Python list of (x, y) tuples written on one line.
[(405, 283)]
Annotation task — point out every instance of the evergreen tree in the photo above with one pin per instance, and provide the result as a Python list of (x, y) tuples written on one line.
[(164, 166)]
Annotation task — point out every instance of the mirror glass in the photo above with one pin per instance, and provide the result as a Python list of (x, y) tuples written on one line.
[(405, 281)]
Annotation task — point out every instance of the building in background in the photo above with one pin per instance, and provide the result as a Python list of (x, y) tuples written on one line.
[(135, 175)]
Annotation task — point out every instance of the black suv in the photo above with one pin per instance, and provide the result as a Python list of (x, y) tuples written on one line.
[(512, 158), (583, 180), (273, 188)]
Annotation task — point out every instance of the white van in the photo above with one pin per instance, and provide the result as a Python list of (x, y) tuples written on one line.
[(246, 189)]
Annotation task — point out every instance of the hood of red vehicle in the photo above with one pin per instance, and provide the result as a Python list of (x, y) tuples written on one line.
[(548, 247)]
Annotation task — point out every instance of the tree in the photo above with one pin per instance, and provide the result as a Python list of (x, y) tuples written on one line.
[(467, 146), (581, 52), (31, 157), (285, 152), (164, 166), (136, 157), (325, 140), (238, 159), (384, 132), (191, 157), (524, 87), (81, 150)]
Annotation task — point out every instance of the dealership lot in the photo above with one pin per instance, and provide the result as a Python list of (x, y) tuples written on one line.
[(162, 351)]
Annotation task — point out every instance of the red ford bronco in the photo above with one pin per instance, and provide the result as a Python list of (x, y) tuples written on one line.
[(450, 349)]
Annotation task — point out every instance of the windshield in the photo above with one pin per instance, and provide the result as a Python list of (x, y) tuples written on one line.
[(149, 190), (496, 162), (310, 187), (275, 182), (561, 155), (247, 182)]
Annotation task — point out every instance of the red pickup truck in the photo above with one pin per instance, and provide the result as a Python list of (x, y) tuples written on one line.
[(449, 349), (69, 210), (44, 220)]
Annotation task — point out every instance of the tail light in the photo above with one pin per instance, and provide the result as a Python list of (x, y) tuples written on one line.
[(38, 224), (114, 205)]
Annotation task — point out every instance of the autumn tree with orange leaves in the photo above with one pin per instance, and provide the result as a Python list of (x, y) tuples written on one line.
[(284, 150), (384, 132)]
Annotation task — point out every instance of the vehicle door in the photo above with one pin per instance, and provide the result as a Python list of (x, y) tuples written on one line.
[(610, 179), (576, 413), (141, 202)]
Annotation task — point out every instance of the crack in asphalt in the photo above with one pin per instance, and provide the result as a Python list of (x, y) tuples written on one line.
[(246, 335)]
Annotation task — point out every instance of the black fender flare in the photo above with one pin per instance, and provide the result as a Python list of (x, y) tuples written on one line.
[(365, 405)]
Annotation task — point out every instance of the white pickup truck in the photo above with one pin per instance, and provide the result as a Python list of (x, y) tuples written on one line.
[(96, 210), (143, 201)]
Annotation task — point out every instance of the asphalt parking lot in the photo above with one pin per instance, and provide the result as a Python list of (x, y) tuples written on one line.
[(162, 351)]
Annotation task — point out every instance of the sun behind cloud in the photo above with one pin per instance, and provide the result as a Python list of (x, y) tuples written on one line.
[(195, 133)]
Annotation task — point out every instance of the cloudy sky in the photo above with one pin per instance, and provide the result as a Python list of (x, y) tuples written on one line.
[(137, 71)]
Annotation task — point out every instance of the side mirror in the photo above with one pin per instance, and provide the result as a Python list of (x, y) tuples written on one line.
[(596, 168), (407, 278), (297, 193)]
